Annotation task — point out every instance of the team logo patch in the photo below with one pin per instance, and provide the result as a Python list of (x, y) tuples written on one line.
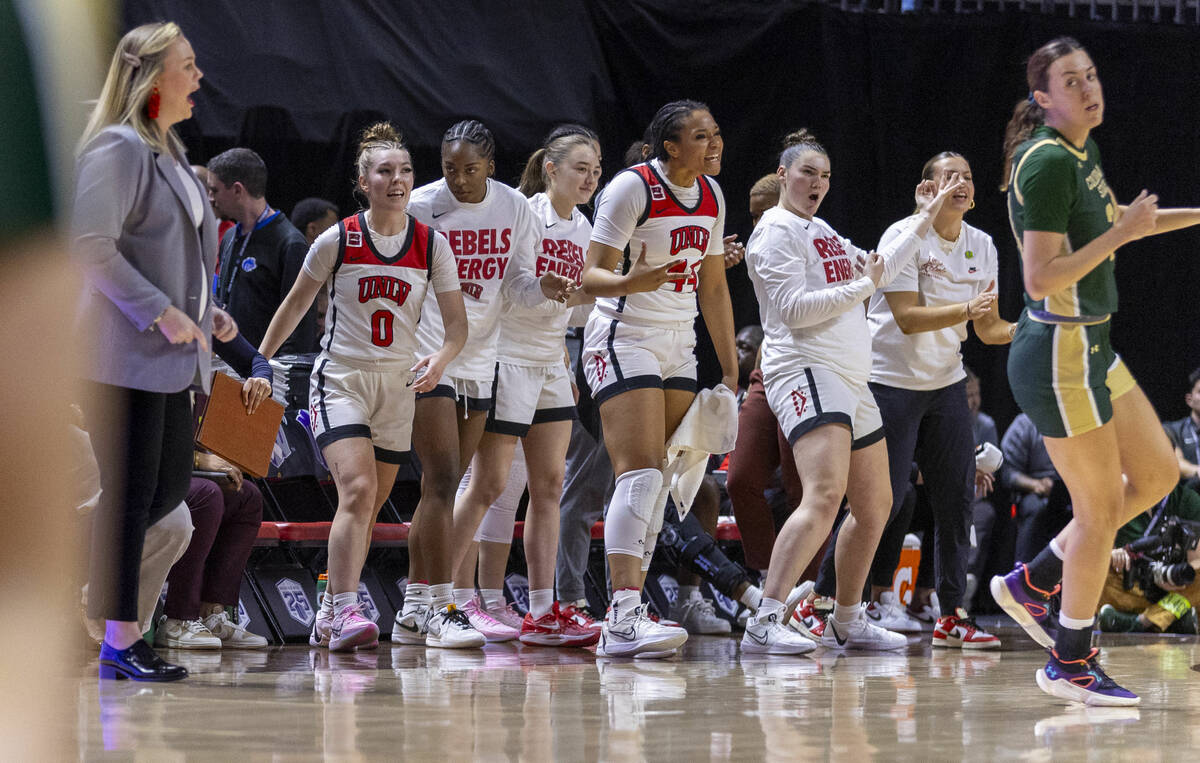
[(298, 606), (354, 238), (799, 401), (243, 617), (249, 264), (658, 193), (601, 368)]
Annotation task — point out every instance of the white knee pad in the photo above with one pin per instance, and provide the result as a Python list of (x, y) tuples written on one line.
[(653, 527), (631, 510)]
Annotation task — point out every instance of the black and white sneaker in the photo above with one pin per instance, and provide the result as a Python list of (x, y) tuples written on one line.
[(449, 628)]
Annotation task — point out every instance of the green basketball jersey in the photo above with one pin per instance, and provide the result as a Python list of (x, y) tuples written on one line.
[(1058, 188)]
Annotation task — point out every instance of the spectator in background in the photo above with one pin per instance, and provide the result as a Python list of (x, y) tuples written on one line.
[(1043, 506), (312, 217), (984, 514), (1185, 435), (261, 255), (764, 194)]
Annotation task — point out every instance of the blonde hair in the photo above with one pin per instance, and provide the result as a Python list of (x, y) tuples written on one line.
[(381, 136), (136, 63), (767, 185)]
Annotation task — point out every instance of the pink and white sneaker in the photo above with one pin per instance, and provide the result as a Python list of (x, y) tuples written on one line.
[(351, 629), (322, 625), (506, 615), (492, 629)]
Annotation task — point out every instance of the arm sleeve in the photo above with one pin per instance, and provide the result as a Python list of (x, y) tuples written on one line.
[(322, 255), (444, 268), (1047, 189), (243, 358), (906, 277), (110, 179), (716, 243), (520, 285), (785, 282), (621, 205)]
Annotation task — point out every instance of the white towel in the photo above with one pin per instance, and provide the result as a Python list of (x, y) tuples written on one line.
[(709, 426)]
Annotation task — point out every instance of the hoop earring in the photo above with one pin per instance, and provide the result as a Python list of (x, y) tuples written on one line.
[(152, 104), (972, 204)]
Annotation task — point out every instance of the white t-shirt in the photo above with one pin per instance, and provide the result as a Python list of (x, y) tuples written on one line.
[(942, 273), (374, 304), (533, 336), (810, 294), (683, 226), (196, 211), (493, 244)]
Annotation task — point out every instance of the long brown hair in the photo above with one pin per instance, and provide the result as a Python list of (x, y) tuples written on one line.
[(1027, 115), (927, 170)]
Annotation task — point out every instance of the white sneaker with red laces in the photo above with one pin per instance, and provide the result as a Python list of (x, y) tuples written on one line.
[(959, 630)]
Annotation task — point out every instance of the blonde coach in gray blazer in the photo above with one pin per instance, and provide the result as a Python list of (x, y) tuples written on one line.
[(146, 240)]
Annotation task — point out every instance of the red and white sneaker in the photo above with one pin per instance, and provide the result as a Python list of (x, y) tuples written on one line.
[(580, 618), (959, 630), (555, 628), (351, 629), (807, 621)]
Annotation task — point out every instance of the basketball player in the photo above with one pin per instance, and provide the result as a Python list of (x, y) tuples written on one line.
[(816, 359), (638, 344), (379, 265)]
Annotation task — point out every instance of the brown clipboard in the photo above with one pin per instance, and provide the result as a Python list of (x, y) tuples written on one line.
[(244, 440)]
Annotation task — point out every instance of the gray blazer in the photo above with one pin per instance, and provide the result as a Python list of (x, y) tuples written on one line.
[(133, 235)]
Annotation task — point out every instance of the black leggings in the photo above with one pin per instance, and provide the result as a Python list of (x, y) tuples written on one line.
[(143, 443)]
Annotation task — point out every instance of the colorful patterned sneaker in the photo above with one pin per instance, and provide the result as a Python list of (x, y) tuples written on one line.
[(409, 626), (450, 628), (1083, 681), (581, 618), (960, 630), (860, 633), (807, 621), (768, 635), (492, 629), (557, 628), (697, 615), (637, 634), (1028, 605), (351, 629)]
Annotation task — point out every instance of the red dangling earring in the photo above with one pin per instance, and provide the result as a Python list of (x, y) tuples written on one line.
[(152, 104)]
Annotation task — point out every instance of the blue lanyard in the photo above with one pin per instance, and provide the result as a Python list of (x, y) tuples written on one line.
[(235, 262)]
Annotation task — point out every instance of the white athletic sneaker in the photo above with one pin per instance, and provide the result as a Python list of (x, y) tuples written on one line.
[(927, 614), (860, 634), (697, 615), (232, 635), (637, 634), (409, 626), (768, 636), (890, 614), (794, 599), (184, 634), (449, 628)]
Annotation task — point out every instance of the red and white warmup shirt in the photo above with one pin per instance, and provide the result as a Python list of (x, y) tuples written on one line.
[(533, 336), (377, 285), (810, 293), (493, 244), (678, 225)]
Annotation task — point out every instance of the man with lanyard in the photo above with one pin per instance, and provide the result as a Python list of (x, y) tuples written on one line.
[(1185, 435), (261, 255)]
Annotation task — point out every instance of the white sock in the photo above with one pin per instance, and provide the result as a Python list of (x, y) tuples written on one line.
[(326, 605), (540, 601), (848, 614), (343, 600), (623, 602), (767, 608), (492, 598), (1073, 623), (463, 596), (415, 595), (752, 597), (1056, 549), (440, 595)]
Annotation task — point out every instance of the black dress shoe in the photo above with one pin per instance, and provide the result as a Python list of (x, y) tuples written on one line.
[(139, 662)]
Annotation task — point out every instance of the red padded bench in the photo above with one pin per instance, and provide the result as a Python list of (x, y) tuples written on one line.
[(317, 534)]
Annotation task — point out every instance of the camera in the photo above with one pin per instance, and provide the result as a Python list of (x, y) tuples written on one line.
[(1158, 560)]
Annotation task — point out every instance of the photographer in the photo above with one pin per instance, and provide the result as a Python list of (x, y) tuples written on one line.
[(1151, 585)]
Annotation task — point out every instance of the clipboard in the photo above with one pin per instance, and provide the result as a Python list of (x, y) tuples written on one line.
[(244, 440)]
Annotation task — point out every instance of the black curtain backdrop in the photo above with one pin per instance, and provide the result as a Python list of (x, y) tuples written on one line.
[(883, 92)]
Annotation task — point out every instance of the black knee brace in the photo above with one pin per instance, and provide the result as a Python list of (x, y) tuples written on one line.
[(696, 550)]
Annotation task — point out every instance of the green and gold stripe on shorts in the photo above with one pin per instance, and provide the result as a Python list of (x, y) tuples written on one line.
[(1071, 374)]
